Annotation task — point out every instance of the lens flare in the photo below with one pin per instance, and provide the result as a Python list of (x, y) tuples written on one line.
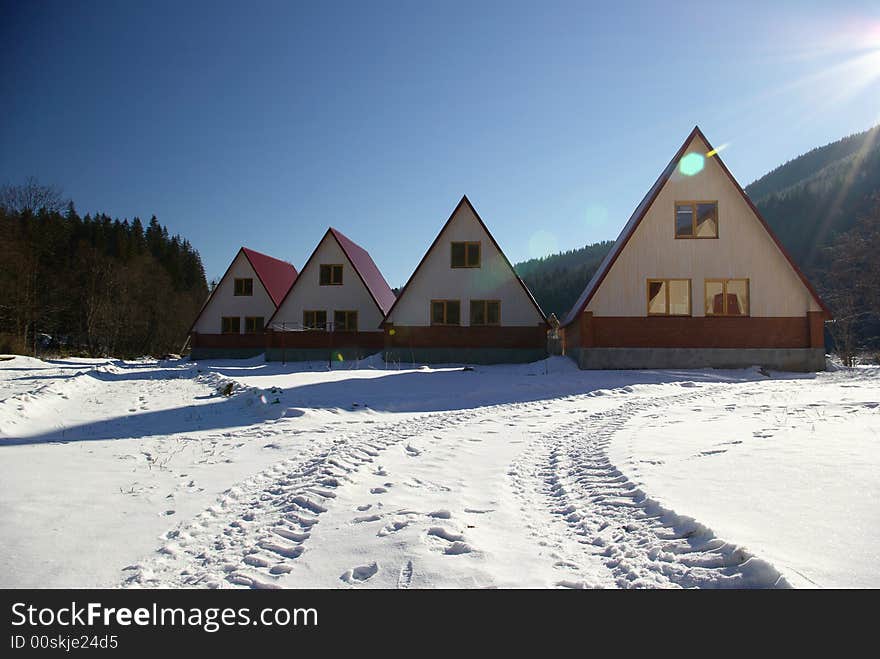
[(691, 164), (717, 150)]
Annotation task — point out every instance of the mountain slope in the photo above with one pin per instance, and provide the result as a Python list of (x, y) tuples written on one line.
[(557, 280), (814, 198)]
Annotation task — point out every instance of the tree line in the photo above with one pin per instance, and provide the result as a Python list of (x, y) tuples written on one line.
[(93, 284)]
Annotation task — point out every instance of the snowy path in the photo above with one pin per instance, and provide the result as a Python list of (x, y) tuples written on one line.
[(641, 543), (406, 504)]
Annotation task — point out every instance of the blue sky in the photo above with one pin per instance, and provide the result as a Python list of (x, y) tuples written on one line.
[(263, 123)]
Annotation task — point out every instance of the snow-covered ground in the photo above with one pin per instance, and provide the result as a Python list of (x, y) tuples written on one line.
[(538, 475)]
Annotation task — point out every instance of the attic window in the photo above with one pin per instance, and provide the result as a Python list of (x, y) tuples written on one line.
[(696, 219), (466, 255), (669, 297), (244, 286), (331, 275), (727, 297)]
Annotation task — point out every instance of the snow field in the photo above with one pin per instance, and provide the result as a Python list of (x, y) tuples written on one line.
[(141, 474)]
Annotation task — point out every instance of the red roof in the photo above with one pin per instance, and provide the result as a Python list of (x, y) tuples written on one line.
[(365, 266), (642, 209), (276, 275)]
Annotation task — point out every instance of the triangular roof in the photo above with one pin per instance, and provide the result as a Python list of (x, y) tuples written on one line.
[(465, 201), (363, 265), (642, 209), (366, 268), (275, 276)]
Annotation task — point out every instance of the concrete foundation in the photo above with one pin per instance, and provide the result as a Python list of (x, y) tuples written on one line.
[(779, 359), (464, 355)]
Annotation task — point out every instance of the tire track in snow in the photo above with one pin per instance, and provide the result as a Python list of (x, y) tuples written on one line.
[(642, 543), (255, 532)]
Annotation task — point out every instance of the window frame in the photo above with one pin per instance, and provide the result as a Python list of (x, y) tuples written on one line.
[(693, 204), (235, 292), (466, 243), (445, 313), (667, 314), (262, 320), (347, 312), (237, 324), (723, 281), (330, 282), (485, 304), (316, 325)]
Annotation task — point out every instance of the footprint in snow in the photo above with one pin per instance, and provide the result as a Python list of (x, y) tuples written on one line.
[(456, 545), (360, 573), (412, 451), (366, 518), (393, 527), (404, 579)]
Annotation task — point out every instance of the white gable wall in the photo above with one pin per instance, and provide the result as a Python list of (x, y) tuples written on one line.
[(224, 303), (437, 280), (743, 249), (308, 294)]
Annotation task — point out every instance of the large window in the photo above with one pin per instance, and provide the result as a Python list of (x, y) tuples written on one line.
[(244, 287), (331, 275), (727, 297), (696, 219), (315, 320), (445, 312), (485, 312), (466, 255), (345, 321), (230, 325), (669, 297), (253, 324)]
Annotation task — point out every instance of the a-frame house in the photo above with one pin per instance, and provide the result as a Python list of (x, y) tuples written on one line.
[(464, 303), (334, 308), (697, 279), (231, 322)]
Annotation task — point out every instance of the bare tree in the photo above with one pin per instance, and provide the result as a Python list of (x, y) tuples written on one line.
[(851, 285), (31, 196)]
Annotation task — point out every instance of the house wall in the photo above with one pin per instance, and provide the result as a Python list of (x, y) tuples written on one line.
[(742, 250), (224, 303), (308, 294), (436, 280)]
